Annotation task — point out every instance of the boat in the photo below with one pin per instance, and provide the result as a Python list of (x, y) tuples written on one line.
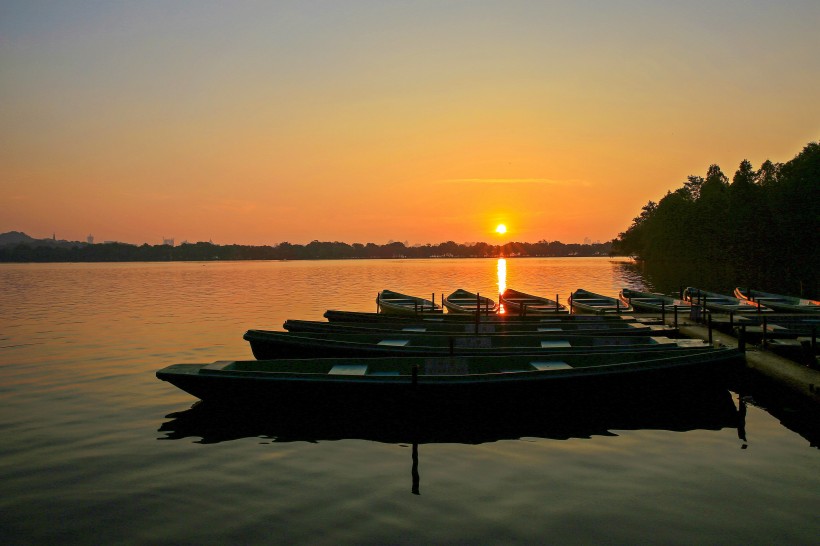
[(778, 302), (584, 301), (527, 304), (435, 382), (620, 328), (652, 302), (720, 302), (335, 315), (395, 303), (463, 302), (266, 344)]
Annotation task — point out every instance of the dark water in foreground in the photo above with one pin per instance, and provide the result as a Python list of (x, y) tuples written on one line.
[(97, 450)]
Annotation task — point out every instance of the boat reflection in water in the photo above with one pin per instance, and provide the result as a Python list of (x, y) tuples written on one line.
[(704, 409)]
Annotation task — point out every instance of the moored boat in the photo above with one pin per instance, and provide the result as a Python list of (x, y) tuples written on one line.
[(584, 301), (778, 302), (267, 344), (721, 303), (528, 304), (652, 302), (598, 328), (395, 303), (373, 381), (335, 315), (467, 303)]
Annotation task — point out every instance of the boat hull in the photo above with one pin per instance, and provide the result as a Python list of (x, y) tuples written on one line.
[(218, 383)]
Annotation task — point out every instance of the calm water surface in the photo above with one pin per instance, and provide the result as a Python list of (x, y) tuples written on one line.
[(97, 450)]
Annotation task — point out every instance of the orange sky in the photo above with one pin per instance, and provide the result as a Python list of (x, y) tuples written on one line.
[(365, 121)]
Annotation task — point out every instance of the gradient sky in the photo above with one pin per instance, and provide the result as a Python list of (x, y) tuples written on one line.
[(365, 121)]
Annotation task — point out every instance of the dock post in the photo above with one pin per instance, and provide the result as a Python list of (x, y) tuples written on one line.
[(704, 308), (741, 338), (557, 305), (709, 322), (675, 310), (433, 299), (415, 374), (731, 320), (618, 306), (663, 312), (415, 307), (523, 309)]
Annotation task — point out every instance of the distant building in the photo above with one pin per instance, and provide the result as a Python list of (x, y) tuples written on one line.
[(90, 239)]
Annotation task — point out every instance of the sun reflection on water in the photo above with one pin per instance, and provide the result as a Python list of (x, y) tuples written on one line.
[(502, 282)]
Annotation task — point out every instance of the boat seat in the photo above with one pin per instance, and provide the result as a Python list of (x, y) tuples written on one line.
[(551, 344), (544, 365), (394, 342), (348, 369)]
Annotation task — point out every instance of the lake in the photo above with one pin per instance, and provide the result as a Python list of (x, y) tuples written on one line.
[(97, 450)]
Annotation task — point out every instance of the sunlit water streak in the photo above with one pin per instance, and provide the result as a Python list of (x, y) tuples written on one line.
[(83, 460)]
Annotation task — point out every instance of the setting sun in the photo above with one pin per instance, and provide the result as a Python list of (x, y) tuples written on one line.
[(501, 229)]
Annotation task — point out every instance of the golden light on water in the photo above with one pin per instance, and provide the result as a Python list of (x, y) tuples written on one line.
[(502, 281)]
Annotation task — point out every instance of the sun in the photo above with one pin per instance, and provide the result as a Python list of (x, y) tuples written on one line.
[(501, 229)]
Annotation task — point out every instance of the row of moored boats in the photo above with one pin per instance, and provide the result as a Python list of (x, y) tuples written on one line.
[(411, 350)]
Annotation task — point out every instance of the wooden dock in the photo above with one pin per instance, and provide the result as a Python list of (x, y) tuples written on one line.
[(797, 376)]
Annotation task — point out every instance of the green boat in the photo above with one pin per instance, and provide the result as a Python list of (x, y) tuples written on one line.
[(652, 302), (778, 302), (584, 301), (720, 302), (463, 302), (274, 344), (330, 382), (395, 303), (333, 315), (619, 328), (526, 304)]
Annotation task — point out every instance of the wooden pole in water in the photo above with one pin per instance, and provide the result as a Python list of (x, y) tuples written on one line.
[(709, 321), (557, 305)]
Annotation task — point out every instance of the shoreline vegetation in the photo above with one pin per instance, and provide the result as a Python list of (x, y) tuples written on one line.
[(20, 248), (761, 229)]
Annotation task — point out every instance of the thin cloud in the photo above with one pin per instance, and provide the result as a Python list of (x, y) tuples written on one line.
[(545, 181)]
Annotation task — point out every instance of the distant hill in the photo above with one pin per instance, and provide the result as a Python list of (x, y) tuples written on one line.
[(13, 238)]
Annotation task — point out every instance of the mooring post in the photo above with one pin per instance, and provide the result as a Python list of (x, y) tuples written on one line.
[(557, 305), (523, 309), (763, 342), (709, 322), (415, 307), (378, 307), (703, 311), (433, 299)]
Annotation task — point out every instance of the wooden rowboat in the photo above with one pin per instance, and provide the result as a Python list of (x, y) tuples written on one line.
[(720, 302), (463, 302), (778, 302), (602, 328), (395, 303), (267, 344), (335, 315), (652, 302), (584, 301), (327, 382), (527, 304)]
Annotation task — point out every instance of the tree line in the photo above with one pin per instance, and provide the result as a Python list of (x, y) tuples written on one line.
[(315, 250), (761, 226)]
